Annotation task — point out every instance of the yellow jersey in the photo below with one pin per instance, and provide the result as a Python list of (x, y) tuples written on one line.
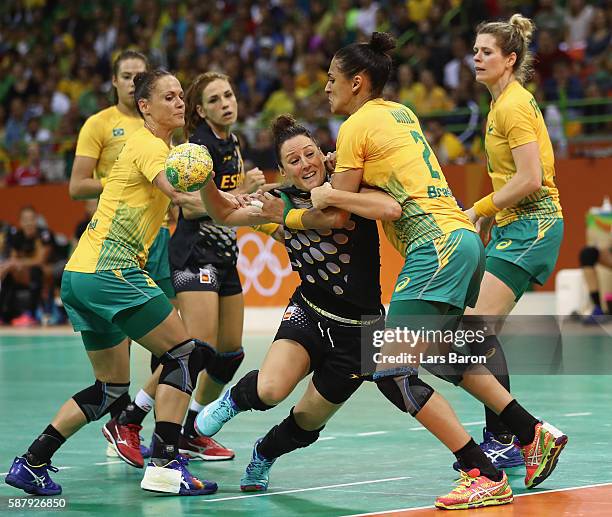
[(103, 136), (385, 140), (514, 120), (130, 211)]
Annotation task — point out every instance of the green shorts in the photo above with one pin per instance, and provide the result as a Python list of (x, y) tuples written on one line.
[(530, 244), (93, 302), (158, 264), (447, 270)]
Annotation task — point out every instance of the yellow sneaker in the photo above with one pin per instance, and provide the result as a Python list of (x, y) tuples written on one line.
[(476, 491)]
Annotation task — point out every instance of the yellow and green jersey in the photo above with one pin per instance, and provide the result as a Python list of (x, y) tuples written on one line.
[(514, 120), (385, 140), (130, 211), (103, 136)]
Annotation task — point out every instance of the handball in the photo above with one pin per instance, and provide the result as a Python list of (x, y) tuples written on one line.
[(189, 167)]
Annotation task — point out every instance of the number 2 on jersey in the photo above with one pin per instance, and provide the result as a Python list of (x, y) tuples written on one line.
[(426, 153)]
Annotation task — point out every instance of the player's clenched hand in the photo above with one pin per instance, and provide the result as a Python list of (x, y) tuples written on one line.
[(330, 161), (320, 195), (253, 179), (271, 207)]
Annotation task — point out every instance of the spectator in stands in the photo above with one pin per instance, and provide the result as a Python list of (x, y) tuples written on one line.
[(598, 40), (28, 250), (548, 53), (431, 97), (563, 84), (461, 56), (15, 127), (409, 91), (578, 16), (447, 147), (28, 172), (550, 17)]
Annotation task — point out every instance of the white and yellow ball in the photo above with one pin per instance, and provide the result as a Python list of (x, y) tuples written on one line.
[(189, 167)]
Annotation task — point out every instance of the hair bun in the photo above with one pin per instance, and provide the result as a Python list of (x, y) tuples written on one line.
[(282, 123), (139, 78), (523, 25), (382, 42)]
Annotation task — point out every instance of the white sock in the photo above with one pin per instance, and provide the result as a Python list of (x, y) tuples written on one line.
[(194, 406), (144, 401)]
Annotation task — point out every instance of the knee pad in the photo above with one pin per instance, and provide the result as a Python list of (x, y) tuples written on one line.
[(181, 366), (407, 392), (589, 256), (224, 365), (98, 399), (245, 395)]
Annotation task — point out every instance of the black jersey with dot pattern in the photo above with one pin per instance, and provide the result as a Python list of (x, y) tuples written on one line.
[(201, 241), (339, 268)]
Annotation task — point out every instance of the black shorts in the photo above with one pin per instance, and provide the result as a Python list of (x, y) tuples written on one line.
[(221, 279), (334, 348)]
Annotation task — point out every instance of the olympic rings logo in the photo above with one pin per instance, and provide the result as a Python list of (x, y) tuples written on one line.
[(264, 258)]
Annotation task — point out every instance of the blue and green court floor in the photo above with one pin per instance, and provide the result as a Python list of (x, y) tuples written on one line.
[(370, 459)]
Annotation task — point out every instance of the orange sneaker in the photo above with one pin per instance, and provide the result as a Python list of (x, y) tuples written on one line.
[(476, 491), (542, 454)]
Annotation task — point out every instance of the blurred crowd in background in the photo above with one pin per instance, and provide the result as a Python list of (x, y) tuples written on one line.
[(55, 71), (55, 66)]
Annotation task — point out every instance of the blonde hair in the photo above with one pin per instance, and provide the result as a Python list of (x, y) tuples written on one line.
[(513, 36)]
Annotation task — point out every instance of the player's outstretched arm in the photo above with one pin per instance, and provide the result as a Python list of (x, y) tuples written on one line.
[(368, 203), (228, 210)]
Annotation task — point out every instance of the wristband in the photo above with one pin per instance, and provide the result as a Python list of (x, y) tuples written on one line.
[(485, 206), (293, 219), (267, 228), (288, 204)]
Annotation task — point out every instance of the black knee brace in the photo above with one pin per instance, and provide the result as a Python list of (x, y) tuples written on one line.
[(100, 398), (286, 437), (244, 393), (589, 256), (183, 363), (224, 366), (155, 362), (407, 392)]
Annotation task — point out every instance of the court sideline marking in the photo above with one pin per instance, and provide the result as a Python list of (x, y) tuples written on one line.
[(516, 495)]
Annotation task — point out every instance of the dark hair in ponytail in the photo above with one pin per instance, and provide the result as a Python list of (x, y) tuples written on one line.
[(284, 128), (144, 82), (372, 58)]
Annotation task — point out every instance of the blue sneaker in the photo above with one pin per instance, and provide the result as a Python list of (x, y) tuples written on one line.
[(214, 416), (502, 455), (32, 479), (174, 478), (257, 475), (144, 450), (595, 317)]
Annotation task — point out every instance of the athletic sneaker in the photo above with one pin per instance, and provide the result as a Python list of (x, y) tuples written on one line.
[(257, 475), (126, 441), (542, 454), (204, 448), (144, 450), (174, 478), (502, 455), (33, 479), (476, 491), (595, 317), (215, 415)]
